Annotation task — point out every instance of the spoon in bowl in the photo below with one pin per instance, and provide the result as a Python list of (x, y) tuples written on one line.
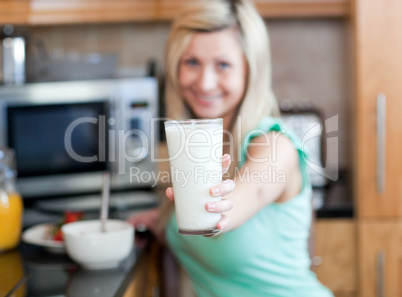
[(105, 200)]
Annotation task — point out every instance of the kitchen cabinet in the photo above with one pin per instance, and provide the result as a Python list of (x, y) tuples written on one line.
[(378, 48), (344, 294), (335, 255), (49, 12), (376, 27), (380, 259), (147, 281)]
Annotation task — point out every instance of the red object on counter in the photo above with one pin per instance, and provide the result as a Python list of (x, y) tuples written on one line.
[(69, 217), (72, 216)]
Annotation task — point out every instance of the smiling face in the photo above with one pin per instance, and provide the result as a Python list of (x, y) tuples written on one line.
[(212, 75)]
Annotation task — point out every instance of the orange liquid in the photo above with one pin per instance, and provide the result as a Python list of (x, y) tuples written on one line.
[(11, 271), (11, 209)]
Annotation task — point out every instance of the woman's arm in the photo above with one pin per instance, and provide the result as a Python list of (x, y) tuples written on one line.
[(270, 174)]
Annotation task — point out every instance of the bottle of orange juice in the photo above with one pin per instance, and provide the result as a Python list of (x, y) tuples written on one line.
[(11, 206)]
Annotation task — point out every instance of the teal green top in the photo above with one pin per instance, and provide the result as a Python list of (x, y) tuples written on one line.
[(266, 256)]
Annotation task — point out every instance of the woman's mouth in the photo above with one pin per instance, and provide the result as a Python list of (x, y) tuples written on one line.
[(206, 99)]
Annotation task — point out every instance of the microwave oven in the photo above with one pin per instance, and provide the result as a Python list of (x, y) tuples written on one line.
[(66, 134)]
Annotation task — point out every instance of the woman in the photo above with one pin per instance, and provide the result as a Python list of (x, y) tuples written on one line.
[(218, 65)]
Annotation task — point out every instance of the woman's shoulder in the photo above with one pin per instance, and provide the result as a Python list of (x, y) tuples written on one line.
[(270, 131), (275, 147), (272, 142), (267, 126)]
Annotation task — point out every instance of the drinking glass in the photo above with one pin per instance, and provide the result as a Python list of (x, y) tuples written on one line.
[(195, 156)]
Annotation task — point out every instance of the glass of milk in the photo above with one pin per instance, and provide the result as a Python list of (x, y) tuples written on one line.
[(195, 155)]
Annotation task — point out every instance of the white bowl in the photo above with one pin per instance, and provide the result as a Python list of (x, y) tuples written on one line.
[(87, 245)]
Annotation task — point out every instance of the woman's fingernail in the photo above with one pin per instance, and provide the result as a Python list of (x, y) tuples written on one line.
[(226, 157), (211, 206), (216, 191), (220, 226)]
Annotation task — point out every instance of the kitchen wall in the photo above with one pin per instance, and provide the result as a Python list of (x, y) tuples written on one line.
[(309, 58), (133, 44), (310, 63)]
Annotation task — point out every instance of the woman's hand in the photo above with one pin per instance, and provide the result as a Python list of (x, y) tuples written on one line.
[(220, 190)]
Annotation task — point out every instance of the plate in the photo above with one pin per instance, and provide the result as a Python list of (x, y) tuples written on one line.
[(37, 235)]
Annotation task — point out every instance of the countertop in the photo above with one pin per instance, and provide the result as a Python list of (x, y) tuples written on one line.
[(55, 274), (49, 274), (335, 199)]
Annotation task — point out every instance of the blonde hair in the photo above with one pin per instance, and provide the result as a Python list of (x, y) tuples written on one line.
[(213, 15)]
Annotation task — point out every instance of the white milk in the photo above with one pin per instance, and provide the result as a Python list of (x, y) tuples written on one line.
[(195, 153)]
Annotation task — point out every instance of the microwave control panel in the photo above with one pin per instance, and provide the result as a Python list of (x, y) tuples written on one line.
[(137, 128)]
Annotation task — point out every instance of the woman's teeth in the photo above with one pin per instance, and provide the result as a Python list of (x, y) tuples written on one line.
[(207, 98)]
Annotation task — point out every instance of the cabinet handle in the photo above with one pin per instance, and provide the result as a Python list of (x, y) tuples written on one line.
[(380, 274), (155, 291), (316, 261), (381, 128)]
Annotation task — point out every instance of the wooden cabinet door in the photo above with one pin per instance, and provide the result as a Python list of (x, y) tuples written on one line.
[(380, 259), (335, 260), (378, 59)]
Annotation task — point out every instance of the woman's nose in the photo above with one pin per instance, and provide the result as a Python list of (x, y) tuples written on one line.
[(208, 79)]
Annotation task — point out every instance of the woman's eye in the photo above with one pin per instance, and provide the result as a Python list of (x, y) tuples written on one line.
[(223, 65), (191, 62)]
